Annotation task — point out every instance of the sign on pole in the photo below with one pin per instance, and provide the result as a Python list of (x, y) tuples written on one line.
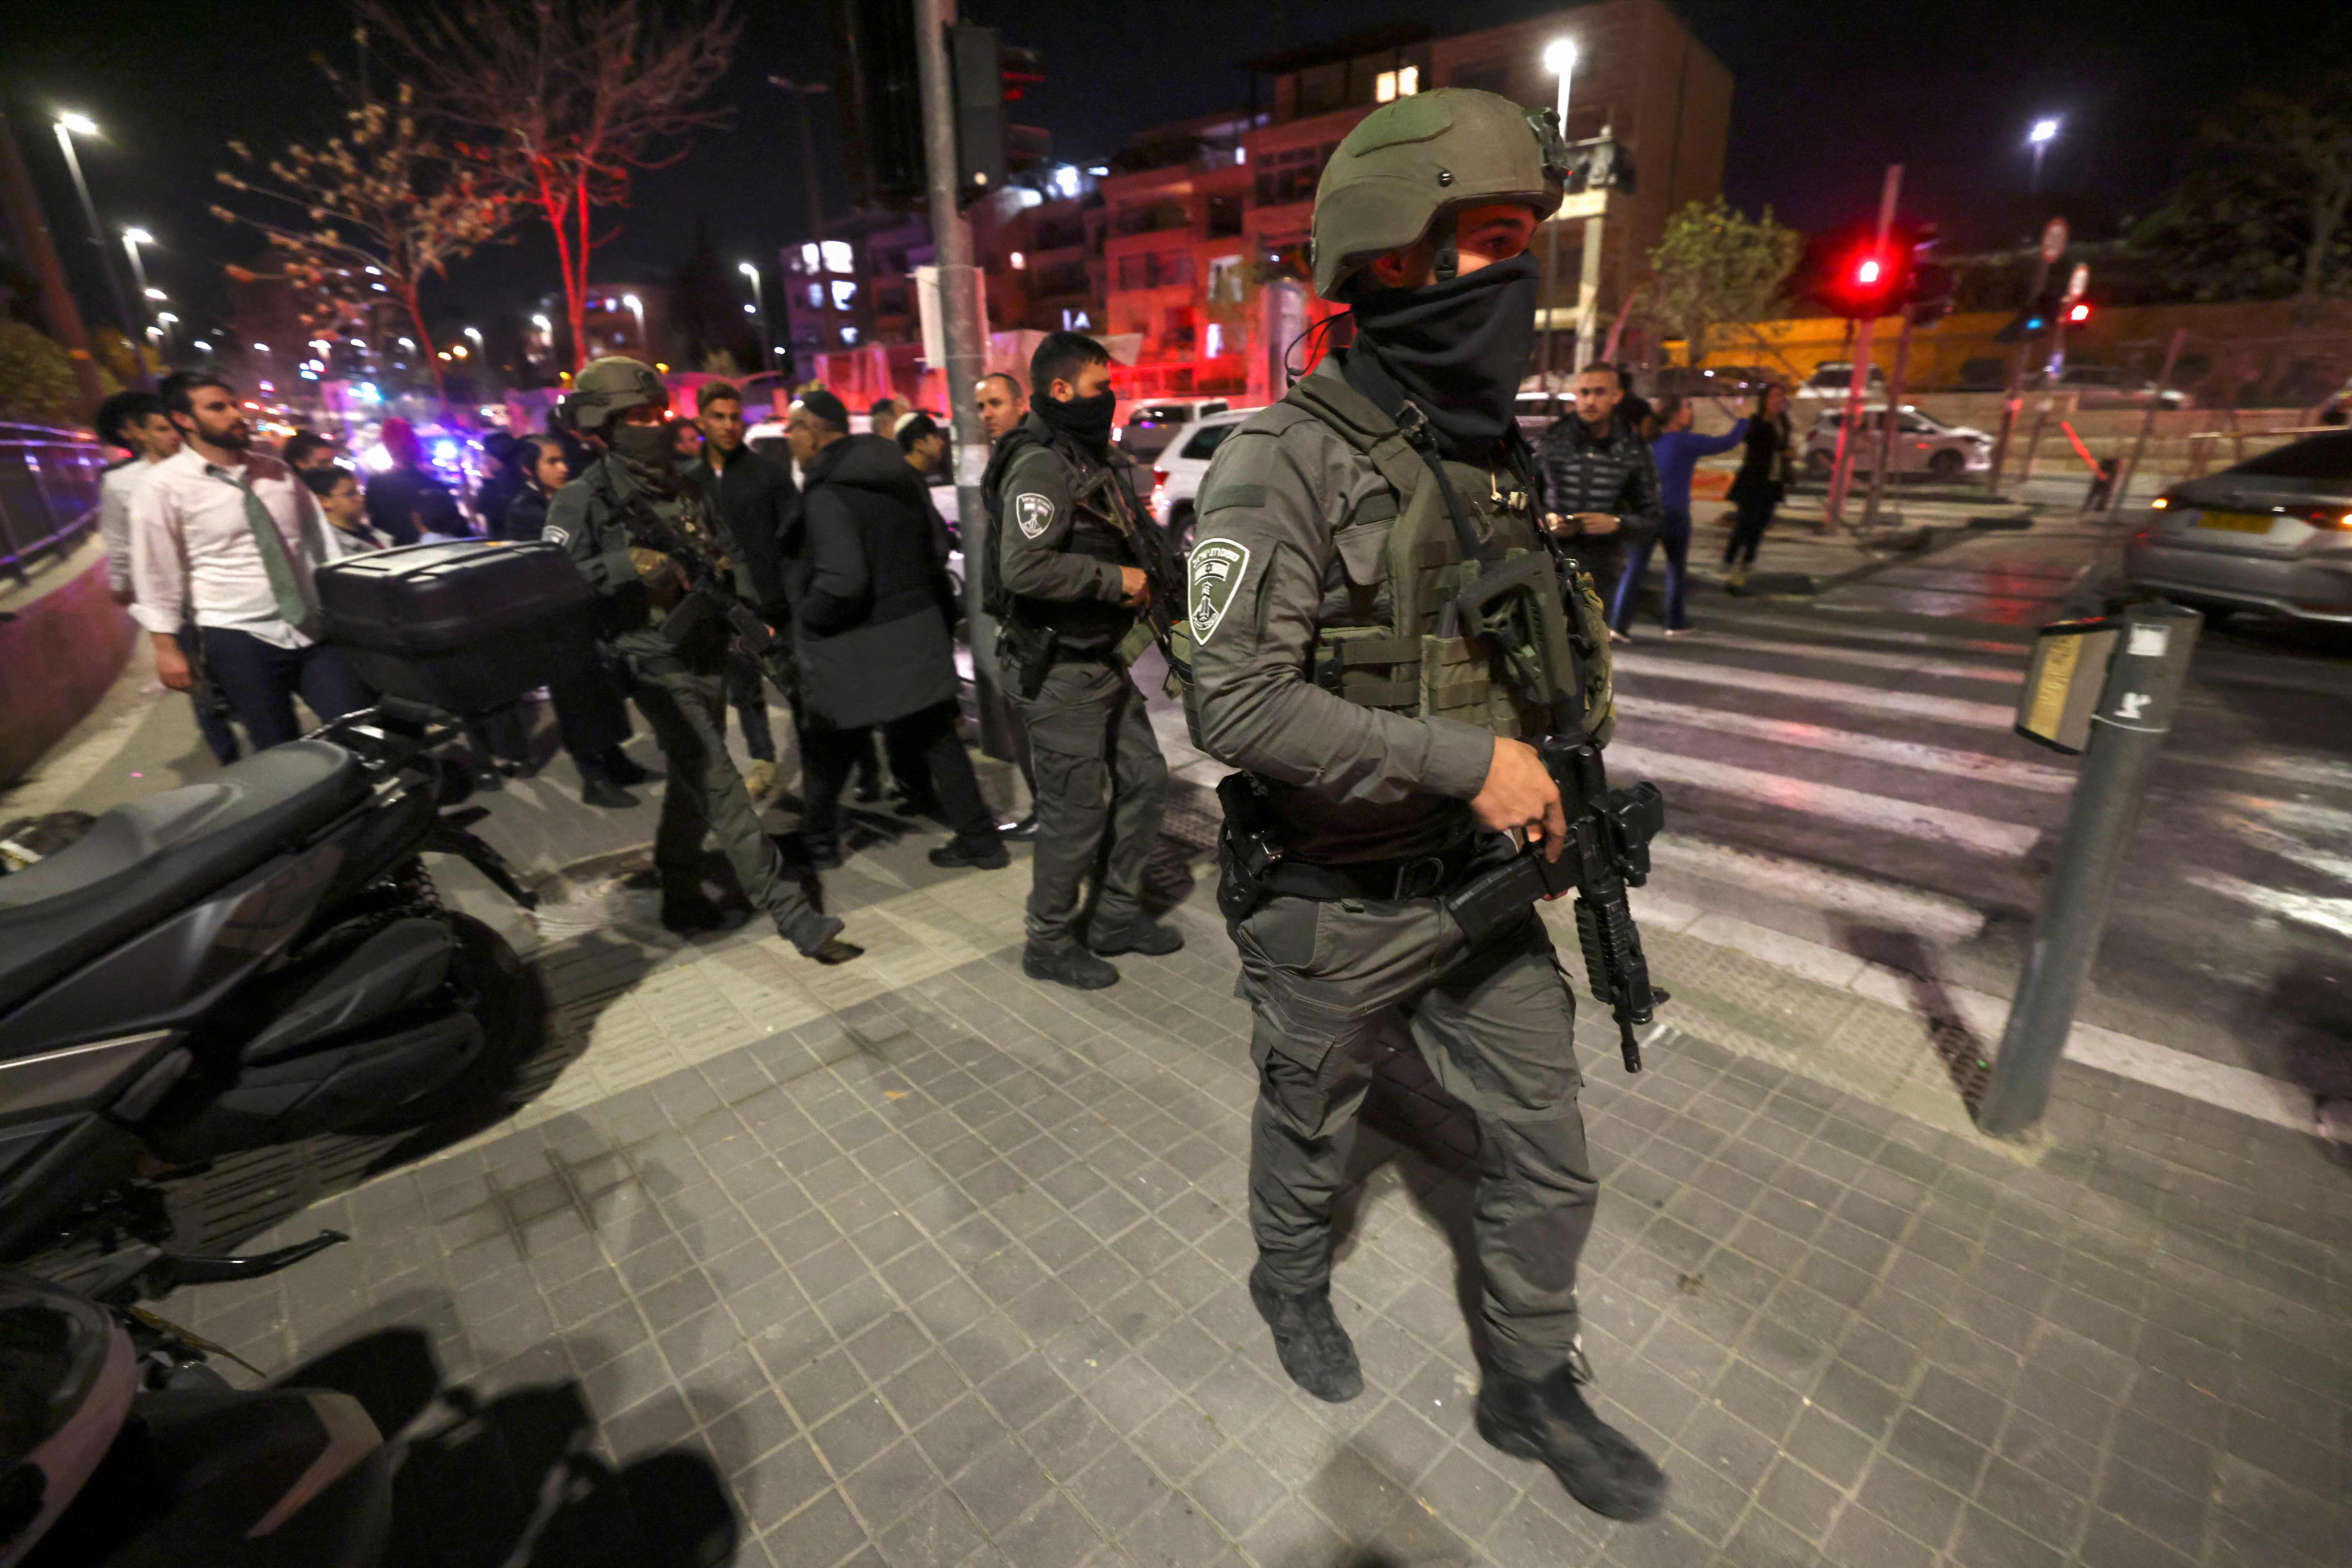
[(2078, 282), (2053, 239)]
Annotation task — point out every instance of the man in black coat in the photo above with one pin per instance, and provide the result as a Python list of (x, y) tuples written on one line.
[(755, 501), (872, 628), (1598, 479)]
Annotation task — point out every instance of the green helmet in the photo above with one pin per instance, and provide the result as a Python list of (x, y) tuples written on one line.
[(606, 386), (1411, 160)]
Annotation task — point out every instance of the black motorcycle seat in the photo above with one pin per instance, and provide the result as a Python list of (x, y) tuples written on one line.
[(141, 861)]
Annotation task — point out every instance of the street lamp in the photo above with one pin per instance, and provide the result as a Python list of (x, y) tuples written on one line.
[(155, 294), (2044, 131), (1560, 59), (474, 333), (70, 125), (167, 320), (759, 308), (637, 309), (802, 91), (132, 238)]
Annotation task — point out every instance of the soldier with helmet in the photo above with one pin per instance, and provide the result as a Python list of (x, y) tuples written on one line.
[(1375, 703), (674, 648)]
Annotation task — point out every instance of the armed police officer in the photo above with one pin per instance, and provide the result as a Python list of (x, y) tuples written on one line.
[(627, 520), (1351, 539), (1065, 581)]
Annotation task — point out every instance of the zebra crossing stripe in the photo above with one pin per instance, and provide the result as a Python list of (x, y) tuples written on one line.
[(1933, 823), (1881, 905), (1839, 693), (1890, 635), (1854, 744), (1831, 655)]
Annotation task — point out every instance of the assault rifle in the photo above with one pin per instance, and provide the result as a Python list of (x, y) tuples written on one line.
[(709, 591), (1607, 850), (1163, 571)]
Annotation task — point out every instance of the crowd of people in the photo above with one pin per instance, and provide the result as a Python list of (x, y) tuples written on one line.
[(1615, 476)]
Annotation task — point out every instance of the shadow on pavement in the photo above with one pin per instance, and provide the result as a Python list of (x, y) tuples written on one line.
[(482, 1481)]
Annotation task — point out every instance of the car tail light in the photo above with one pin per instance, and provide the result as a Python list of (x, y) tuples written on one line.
[(1159, 479), (2333, 518), (2160, 503)]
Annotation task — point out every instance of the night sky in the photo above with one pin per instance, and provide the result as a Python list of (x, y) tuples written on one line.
[(1826, 93)]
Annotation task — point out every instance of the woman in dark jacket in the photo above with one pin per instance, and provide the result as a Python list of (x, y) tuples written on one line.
[(873, 627), (1761, 483)]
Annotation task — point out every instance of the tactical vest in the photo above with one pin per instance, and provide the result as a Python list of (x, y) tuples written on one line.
[(1080, 624), (1531, 659)]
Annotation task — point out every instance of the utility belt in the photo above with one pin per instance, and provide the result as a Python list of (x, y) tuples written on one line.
[(1029, 651), (1252, 866)]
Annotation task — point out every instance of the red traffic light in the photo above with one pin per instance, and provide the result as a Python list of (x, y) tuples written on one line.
[(2077, 314), (1866, 271)]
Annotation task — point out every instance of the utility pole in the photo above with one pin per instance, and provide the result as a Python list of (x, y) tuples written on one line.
[(2148, 424), (960, 325), (57, 299), (68, 126), (1841, 472)]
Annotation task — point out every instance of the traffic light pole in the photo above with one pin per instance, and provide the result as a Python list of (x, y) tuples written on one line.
[(965, 334), (2014, 398), (1842, 471), (1887, 423)]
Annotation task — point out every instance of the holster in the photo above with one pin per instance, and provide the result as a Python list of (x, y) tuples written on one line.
[(694, 609), (1029, 651), (1247, 848)]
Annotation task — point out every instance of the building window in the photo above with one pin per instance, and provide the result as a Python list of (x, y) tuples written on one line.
[(816, 296), (837, 257), (1225, 278), (809, 261), (1290, 175), (1224, 217), (849, 334), (844, 294), (1074, 320)]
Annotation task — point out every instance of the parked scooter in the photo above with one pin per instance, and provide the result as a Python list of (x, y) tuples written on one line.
[(242, 962), (121, 1448)]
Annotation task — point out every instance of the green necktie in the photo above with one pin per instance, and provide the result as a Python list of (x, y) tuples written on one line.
[(293, 606)]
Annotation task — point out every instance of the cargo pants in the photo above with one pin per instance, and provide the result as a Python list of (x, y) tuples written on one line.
[(1328, 983), (1100, 784), (687, 712)]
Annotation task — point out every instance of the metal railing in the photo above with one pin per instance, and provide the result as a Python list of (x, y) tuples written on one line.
[(48, 491)]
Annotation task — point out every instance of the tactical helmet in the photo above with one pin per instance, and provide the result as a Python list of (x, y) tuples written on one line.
[(1413, 159), (604, 387)]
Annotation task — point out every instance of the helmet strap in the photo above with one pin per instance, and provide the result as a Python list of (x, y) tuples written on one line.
[(1449, 261)]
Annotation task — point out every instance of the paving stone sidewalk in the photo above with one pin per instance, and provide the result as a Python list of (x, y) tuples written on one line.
[(950, 1272)]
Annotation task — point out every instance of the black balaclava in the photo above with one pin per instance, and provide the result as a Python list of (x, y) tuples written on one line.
[(1458, 349), (646, 453), (1085, 420)]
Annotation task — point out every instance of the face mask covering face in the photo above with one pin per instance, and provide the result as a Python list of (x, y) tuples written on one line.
[(1083, 419), (645, 451), (1458, 349)]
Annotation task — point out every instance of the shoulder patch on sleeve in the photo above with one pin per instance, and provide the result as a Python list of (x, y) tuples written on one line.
[(554, 534), (1211, 578), (1034, 512)]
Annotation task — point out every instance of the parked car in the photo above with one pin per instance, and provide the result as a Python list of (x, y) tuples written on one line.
[(2273, 533), (1151, 426), (2112, 386), (1923, 445), (1176, 476), (1834, 378)]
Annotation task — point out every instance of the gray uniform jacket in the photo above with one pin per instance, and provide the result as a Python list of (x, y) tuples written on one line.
[(1292, 537), (1066, 564)]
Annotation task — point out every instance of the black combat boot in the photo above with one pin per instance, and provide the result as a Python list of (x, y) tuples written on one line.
[(688, 912), (598, 788), (1547, 1419), (1315, 1349), (1071, 966), (1134, 934), (983, 853), (623, 769)]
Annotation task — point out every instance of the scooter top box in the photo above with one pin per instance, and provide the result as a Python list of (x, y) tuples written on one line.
[(464, 625)]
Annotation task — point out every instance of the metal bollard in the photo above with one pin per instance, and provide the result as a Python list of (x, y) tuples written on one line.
[(2145, 651)]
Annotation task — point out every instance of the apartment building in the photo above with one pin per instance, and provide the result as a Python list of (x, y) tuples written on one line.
[(1206, 231)]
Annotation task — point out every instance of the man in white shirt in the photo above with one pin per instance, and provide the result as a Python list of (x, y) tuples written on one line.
[(137, 422), (229, 538)]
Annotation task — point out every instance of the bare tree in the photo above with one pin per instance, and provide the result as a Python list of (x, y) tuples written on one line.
[(369, 215), (2262, 212), (578, 95)]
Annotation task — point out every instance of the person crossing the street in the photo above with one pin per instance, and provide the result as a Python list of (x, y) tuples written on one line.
[(1069, 585), (1339, 532), (1600, 482), (674, 642)]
